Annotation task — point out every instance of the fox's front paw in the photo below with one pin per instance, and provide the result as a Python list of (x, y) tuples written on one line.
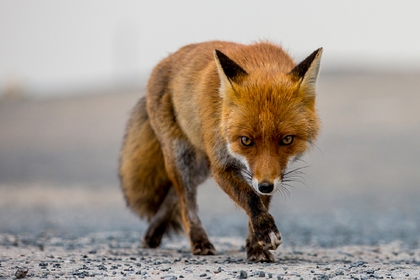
[(259, 255), (267, 234), (255, 253), (272, 242)]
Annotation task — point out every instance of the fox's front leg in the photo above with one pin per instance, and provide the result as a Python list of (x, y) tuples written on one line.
[(263, 233), (255, 251)]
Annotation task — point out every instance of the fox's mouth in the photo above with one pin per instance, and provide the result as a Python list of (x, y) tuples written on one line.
[(281, 183), (265, 187), (261, 188)]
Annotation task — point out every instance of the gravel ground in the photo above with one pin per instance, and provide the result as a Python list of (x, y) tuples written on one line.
[(117, 255)]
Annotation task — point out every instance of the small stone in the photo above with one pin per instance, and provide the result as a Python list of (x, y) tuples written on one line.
[(21, 273), (170, 277), (242, 275), (203, 274), (102, 267), (357, 264), (218, 270), (340, 272), (165, 268), (261, 274), (323, 277)]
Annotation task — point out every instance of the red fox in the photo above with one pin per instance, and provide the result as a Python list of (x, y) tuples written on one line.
[(238, 112)]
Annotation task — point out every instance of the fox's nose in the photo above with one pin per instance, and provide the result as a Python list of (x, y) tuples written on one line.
[(265, 187)]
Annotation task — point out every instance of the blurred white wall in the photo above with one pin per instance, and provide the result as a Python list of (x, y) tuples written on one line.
[(46, 46)]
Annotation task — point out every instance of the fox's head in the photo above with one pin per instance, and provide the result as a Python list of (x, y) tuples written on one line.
[(268, 116)]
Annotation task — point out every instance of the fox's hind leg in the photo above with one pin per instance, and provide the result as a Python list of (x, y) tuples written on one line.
[(186, 167), (144, 181), (163, 221)]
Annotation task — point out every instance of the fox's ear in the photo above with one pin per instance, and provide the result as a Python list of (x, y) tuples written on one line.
[(229, 71), (307, 72)]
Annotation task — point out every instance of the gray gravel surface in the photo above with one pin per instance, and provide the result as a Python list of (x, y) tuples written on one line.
[(117, 255)]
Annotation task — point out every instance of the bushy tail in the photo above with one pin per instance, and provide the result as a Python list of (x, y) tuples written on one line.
[(142, 173)]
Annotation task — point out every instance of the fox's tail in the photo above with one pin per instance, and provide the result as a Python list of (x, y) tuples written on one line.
[(144, 181)]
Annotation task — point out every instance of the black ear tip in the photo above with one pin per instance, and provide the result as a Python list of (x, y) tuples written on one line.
[(317, 52), (231, 69), (301, 69), (219, 54)]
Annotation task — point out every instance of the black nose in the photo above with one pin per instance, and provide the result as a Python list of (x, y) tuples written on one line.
[(265, 187)]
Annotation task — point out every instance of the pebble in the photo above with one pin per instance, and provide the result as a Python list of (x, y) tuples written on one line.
[(261, 274), (242, 275), (170, 277), (21, 273), (357, 264)]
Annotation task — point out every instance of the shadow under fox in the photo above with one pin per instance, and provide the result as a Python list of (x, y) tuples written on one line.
[(237, 112)]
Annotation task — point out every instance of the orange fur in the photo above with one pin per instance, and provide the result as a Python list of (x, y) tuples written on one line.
[(239, 112)]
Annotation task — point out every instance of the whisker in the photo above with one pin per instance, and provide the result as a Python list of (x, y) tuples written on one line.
[(295, 170), (319, 149), (290, 186), (290, 176), (299, 179), (299, 159), (284, 192)]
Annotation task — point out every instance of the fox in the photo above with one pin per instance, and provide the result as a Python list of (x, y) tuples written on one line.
[(240, 113)]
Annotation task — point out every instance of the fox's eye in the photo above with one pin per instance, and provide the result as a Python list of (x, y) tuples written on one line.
[(246, 141), (287, 140)]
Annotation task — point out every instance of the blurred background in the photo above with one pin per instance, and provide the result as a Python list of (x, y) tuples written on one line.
[(70, 72)]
